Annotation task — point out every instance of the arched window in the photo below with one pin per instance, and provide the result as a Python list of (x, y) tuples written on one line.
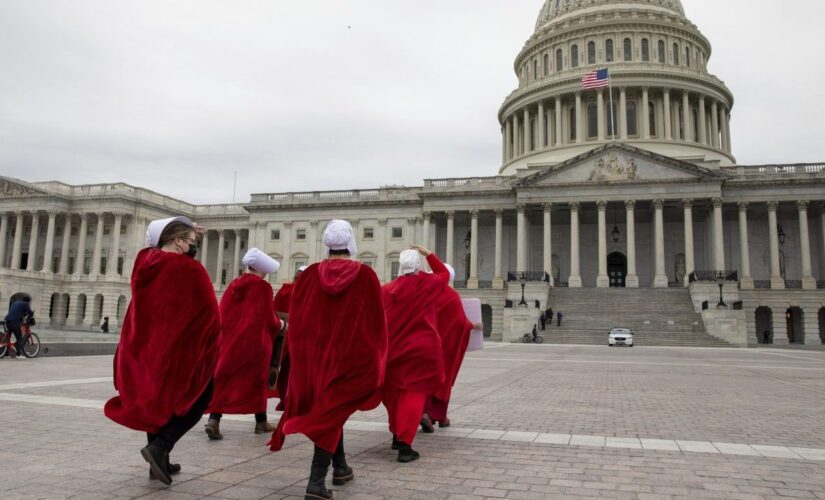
[(608, 50), (546, 64), (676, 54), (612, 119), (592, 121), (687, 56), (591, 52), (628, 49), (645, 50), (535, 69), (574, 56), (632, 129), (661, 52), (573, 125), (559, 60), (651, 118)]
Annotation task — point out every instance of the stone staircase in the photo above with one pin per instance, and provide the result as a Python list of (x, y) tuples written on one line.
[(657, 317)]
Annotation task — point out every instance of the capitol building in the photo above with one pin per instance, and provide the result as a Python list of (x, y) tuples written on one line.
[(620, 206)]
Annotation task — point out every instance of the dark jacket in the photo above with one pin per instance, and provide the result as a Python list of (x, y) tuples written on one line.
[(18, 312)]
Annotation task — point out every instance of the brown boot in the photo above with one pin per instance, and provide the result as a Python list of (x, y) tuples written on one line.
[(213, 429), (264, 428)]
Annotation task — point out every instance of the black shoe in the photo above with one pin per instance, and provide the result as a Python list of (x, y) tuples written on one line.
[(395, 442), (317, 488), (172, 469), (427, 424), (342, 475), (158, 460), (406, 453)]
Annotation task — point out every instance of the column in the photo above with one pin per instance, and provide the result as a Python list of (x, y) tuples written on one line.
[(514, 127), (632, 280), (575, 280), (645, 114), (808, 280), (472, 282), (98, 250), (660, 278), (718, 236), (311, 239), (703, 130), (714, 124), (726, 124), (622, 118), (450, 257), (528, 131), (690, 261), (425, 240), (498, 279), (521, 239), (287, 263), (18, 241), (777, 282), (723, 118), (503, 144), (668, 123), (64, 245), (81, 245), (236, 263), (4, 229), (559, 129), (600, 109), (219, 263), (579, 135), (204, 253), (49, 249), (508, 138), (822, 235), (114, 250), (602, 280), (385, 273), (541, 118), (548, 240), (35, 232), (687, 117), (745, 279)]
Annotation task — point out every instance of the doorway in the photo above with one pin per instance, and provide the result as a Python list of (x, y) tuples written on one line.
[(617, 269), (796, 330), (764, 325)]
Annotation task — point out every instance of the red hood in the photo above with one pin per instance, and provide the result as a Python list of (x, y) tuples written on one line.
[(336, 275), (242, 285)]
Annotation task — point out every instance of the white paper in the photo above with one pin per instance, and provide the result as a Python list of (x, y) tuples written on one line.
[(472, 309)]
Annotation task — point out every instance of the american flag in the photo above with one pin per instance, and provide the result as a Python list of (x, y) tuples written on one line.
[(596, 79)]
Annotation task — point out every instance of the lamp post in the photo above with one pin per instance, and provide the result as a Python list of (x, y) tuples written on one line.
[(523, 280), (721, 304)]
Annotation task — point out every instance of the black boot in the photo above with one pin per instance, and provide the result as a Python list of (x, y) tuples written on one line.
[(171, 468), (158, 460), (395, 442), (341, 472), (317, 488), (406, 453)]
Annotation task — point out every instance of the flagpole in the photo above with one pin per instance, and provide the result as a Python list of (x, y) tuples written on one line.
[(612, 118)]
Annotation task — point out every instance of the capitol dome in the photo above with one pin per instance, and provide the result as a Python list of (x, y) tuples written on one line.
[(663, 98)]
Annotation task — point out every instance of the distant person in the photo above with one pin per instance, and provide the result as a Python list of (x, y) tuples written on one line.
[(535, 333), (104, 327), (20, 312), (559, 317), (543, 320)]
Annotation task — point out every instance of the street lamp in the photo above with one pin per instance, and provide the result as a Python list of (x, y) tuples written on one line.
[(468, 239), (615, 233), (721, 304), (781, 236), (523, 280)]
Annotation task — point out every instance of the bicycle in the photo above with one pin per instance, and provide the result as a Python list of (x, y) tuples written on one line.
[(31, 342), (528, 339)]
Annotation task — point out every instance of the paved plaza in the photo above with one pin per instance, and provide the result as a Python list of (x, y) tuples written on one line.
[(528, 422)]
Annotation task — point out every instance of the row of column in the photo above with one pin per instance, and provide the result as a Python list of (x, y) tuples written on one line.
[(517, 130), (235, 267), (63, 266)]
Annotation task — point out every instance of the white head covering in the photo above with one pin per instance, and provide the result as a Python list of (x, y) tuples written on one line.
[(452, 271), (339, 236), (409, 262), (302, 269), (156, 228), (260, 261)]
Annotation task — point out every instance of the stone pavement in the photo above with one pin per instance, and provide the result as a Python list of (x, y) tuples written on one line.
[(528, 422)]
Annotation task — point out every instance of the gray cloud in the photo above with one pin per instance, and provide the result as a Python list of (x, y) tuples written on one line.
[(325, 94)]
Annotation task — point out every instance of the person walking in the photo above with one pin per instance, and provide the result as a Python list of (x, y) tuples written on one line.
[(168, 346), (559, 317), (104, 327), (543, 321)]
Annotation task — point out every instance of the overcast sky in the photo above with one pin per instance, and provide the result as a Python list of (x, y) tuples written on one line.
[(309, 95)]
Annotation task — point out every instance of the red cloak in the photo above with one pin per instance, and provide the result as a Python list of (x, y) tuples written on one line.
[(337, 346), (415, 361), (282, 300), (169, 342), (283, 297), (249, 326), (454, 329)]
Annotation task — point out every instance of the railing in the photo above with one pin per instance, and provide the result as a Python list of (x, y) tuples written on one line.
[(529, 276), (675, 284), (714, 276), (794, 168), (762, 284), (793, 284), (485, 285), (464, 182), (384, 193)]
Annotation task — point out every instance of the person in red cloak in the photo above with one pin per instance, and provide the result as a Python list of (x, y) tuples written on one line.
[(249, 328), (415, 363), (168, 346), (337, 346), (454, 330), (282, 300)]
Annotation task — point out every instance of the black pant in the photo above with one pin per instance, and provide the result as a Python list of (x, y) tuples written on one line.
[(543, 324), (178, 426), (322, 457), (16, 330), (259, 417)]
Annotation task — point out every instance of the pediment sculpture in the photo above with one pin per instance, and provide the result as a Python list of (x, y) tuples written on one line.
[(8, 188), (613, 169)]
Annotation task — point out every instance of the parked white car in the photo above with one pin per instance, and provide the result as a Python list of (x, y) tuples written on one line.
[(620, 336)]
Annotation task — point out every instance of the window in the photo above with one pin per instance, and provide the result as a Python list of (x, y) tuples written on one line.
[(661, 52), (275, 235), (58, 232), (122, 229), (226, 244), (107, 230), (573, 125), (104, 261), (243, 244), (687, 56), (676, 54), (397, 233), (681, 117), (645, 50), (695, 122), (301, 234), (591, 52), (608, 50), (394, 267), (632, 129), (298, 264), (369, 233), (74, 231), (546, 64), (574, 56), (592, 121), (628, 49), (535, 69), (120, 266), (89, 231), (559, 61), (651, 117)]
